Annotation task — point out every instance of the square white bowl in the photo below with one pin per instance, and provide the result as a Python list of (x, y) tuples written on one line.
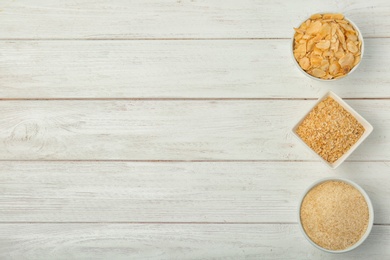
[(367, 129)]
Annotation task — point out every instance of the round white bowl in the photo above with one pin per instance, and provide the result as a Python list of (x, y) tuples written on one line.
[(326, 80), (370, 211)]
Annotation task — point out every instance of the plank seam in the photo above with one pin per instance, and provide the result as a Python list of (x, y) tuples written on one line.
[(160, 223), (188, 161), (179, 99), (163, 39)]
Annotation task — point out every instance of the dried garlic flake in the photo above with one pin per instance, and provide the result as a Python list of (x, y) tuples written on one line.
[(329, 38)]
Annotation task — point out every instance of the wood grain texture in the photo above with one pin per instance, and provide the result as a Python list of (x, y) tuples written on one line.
[(121, 241), (92, 177), (89, 19), (176, 69), (173, 192), (171, 130)]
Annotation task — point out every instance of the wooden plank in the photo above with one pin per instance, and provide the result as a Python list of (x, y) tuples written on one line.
[(170, 130), (89, 19), (176, 69), (173, 192), (129, 241)]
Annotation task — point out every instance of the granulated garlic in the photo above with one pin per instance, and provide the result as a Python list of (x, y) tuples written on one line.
[(330, 130)]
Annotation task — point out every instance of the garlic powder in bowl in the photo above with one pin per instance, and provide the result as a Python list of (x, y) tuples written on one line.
[(336, 215)]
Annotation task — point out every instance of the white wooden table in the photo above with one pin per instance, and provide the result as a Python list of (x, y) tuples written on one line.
[(151, 129)]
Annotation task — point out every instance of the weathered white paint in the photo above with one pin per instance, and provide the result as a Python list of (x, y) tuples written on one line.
[(171, 130), (83, 205), (179, 241), (91, 19), (198, 192), (177, 69)]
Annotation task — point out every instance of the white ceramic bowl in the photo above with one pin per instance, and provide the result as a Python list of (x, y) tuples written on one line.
[(315, 78), (367, 129), (370, 211)]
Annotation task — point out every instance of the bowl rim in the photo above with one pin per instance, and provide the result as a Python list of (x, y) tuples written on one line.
[(368, 128), (328, 80), (370, 211)]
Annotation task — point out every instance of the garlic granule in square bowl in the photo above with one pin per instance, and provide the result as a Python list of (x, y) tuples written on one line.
[(332, 130), (327, 46)]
